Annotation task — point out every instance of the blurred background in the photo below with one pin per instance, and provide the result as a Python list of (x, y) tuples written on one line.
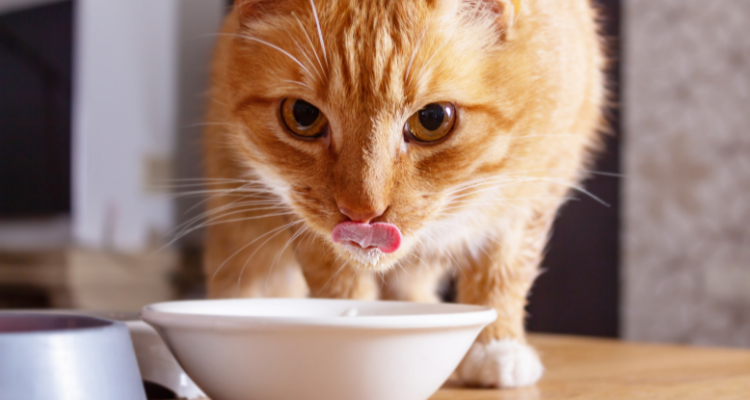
[(101, 105)]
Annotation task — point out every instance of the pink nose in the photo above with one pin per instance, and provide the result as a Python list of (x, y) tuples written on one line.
[(364, 216)]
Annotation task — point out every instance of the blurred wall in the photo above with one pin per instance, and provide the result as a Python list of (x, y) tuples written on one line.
[(686, 268), (124, 100), (140, 68)]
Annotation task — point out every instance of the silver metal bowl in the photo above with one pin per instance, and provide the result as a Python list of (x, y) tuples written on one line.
[(54, 356)]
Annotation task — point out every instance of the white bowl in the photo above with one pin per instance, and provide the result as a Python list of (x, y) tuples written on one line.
[(157, 364), (309, 349)]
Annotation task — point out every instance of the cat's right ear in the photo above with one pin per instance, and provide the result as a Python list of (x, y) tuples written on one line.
[(506, 11), (249, 10)]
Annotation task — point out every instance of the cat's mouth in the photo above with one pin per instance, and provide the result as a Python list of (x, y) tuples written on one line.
[(380, 236), (354, 244)]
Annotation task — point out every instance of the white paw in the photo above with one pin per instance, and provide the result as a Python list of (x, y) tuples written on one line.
[(500, 363)]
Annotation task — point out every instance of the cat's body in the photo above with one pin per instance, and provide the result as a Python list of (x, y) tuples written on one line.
[(524, 80)]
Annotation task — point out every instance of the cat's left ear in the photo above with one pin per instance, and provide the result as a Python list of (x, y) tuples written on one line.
[(254, 9)]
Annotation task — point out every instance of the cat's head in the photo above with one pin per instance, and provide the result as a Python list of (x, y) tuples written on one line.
[(386, 113)]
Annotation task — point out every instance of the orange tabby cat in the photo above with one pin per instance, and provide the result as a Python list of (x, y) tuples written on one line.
[(378, 145)]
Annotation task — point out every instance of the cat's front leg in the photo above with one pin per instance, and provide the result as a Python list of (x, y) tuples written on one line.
[(500, 357), (415, 279), (501, 278)]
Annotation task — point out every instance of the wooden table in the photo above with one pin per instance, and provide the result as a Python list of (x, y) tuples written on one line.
[(597, 369)]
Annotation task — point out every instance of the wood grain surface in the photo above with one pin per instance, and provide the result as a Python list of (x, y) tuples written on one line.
[(598, 369)]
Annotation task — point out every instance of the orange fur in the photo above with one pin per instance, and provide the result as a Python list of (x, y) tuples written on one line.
[(528, 87)]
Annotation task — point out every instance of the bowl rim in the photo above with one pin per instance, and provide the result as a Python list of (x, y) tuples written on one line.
[(464, 316), (101, 324)]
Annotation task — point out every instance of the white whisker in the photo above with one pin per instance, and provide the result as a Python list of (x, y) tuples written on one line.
[(320, 32), (413, 55), (273, 46), (281, 252), (239, 280), (297, 83), (248, 245), (309, 41)]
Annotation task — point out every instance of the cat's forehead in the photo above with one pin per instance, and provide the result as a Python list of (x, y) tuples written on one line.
[(388, 53), (368, 55), (371, 46)]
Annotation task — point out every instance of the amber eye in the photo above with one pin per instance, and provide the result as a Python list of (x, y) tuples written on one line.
[(303, 118), (431, 123)]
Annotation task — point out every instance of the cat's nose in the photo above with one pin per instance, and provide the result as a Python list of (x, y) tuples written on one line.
[(363, 216)]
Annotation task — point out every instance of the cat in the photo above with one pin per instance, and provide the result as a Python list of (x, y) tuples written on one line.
[(366, 149)]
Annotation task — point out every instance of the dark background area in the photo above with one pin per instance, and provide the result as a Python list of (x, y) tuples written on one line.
[(579, 290), (35, 108), (578, 293)]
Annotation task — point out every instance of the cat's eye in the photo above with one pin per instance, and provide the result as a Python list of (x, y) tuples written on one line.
[(303, 118), (432, 123)]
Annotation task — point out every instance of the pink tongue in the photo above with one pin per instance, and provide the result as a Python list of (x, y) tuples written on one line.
[(385, 237)]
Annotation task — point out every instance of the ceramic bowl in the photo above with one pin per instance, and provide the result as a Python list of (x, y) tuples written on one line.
[(282, 349), (57, 356), (157, 364), (162, 375)]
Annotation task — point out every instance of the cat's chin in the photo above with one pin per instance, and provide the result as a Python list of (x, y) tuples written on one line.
[(371, 259)]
